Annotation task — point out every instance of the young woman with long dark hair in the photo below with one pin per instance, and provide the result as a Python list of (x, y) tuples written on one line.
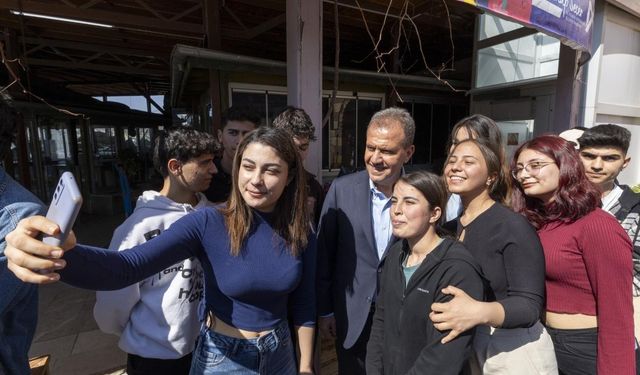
[(257, 253), (403, 338), (589, 312), (478, 127), (509, 336)]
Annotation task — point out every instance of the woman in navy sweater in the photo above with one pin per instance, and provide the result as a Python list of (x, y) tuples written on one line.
[(257, 253)]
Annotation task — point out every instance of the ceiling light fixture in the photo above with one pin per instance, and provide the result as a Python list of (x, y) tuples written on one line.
[(71, 20)]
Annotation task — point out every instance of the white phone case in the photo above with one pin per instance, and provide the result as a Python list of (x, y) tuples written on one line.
[(64, 208)]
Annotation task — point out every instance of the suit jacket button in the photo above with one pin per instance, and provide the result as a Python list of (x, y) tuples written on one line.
[(368, 299)]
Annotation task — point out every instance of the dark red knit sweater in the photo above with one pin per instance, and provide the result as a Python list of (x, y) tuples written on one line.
[(589, 271)]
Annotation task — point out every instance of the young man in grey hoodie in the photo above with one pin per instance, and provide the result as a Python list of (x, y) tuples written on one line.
[(157, 319)]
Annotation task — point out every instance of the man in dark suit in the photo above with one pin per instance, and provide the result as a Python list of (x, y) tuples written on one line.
[(353, 235)]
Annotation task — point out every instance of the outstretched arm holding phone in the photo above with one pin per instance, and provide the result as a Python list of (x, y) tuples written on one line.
[(90, 267)]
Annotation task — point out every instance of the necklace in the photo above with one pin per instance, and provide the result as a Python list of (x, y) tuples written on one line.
[(460, 236)]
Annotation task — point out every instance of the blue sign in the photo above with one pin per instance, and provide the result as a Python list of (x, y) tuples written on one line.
[(568, 20)]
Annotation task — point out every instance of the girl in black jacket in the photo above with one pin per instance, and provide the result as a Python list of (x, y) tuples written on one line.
[(403, 339)]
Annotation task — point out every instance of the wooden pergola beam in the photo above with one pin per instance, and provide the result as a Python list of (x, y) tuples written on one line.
[(265, 26), (122, 20), (118, 38), (89, 4), (147, 96), (90, 47), (98, 67)]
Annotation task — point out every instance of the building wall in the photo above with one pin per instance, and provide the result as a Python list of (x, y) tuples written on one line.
[(613, 78)]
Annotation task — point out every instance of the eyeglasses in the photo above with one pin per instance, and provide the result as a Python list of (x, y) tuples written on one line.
[(532, 168)]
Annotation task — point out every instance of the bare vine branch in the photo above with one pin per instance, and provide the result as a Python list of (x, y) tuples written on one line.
[(405, 16), (379, 63), (16, 81)]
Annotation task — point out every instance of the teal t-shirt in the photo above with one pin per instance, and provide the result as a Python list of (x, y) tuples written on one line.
[(408, 271)]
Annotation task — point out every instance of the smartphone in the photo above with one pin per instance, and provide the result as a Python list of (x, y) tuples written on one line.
[(64, 208)]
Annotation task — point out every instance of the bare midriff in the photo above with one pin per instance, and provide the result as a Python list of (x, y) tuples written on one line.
[(570, 321), (218, 326)]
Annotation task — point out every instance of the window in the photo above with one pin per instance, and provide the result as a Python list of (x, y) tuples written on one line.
[(343, 140), (434, 122), (491, 26), (54, 142), (58, 145), (138, 140), (104, 142), (267, 101), (136, 154), (521, 58), (344, 136), (514, 133)]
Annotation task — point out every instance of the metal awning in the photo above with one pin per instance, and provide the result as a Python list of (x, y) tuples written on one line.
[(186, 59)]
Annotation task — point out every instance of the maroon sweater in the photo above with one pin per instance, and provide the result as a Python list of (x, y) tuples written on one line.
[(589, 271)]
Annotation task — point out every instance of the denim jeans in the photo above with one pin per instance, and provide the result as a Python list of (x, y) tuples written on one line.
[(18, 319), (272, 353), (18, 300)]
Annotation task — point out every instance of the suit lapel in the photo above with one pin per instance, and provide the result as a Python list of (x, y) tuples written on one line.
[(363, 192), (392, 240)]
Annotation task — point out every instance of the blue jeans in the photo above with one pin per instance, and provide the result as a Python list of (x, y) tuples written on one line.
[(18, 300), (18, 319), (272, 353)]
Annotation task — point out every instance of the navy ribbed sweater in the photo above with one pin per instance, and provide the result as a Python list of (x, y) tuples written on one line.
[(251, 291)]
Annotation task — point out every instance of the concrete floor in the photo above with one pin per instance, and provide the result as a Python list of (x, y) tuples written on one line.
[(66, 329)]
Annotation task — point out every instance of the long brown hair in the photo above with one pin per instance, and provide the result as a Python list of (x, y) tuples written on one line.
[(483, 128), (500, 186), (486, 130), (290, 216)]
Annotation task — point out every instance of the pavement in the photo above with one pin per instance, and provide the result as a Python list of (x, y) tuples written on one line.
[(66, 329)]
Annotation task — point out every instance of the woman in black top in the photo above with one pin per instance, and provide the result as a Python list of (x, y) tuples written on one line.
[(510, 338), (403, 340)]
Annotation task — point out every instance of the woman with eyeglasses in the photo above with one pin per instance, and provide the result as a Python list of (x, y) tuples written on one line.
[(509, 337), (589, 312)]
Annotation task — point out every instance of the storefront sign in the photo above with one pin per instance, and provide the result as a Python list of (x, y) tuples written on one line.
[(568, 20)]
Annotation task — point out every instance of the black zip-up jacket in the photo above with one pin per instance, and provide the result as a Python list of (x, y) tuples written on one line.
[(403, 339)]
